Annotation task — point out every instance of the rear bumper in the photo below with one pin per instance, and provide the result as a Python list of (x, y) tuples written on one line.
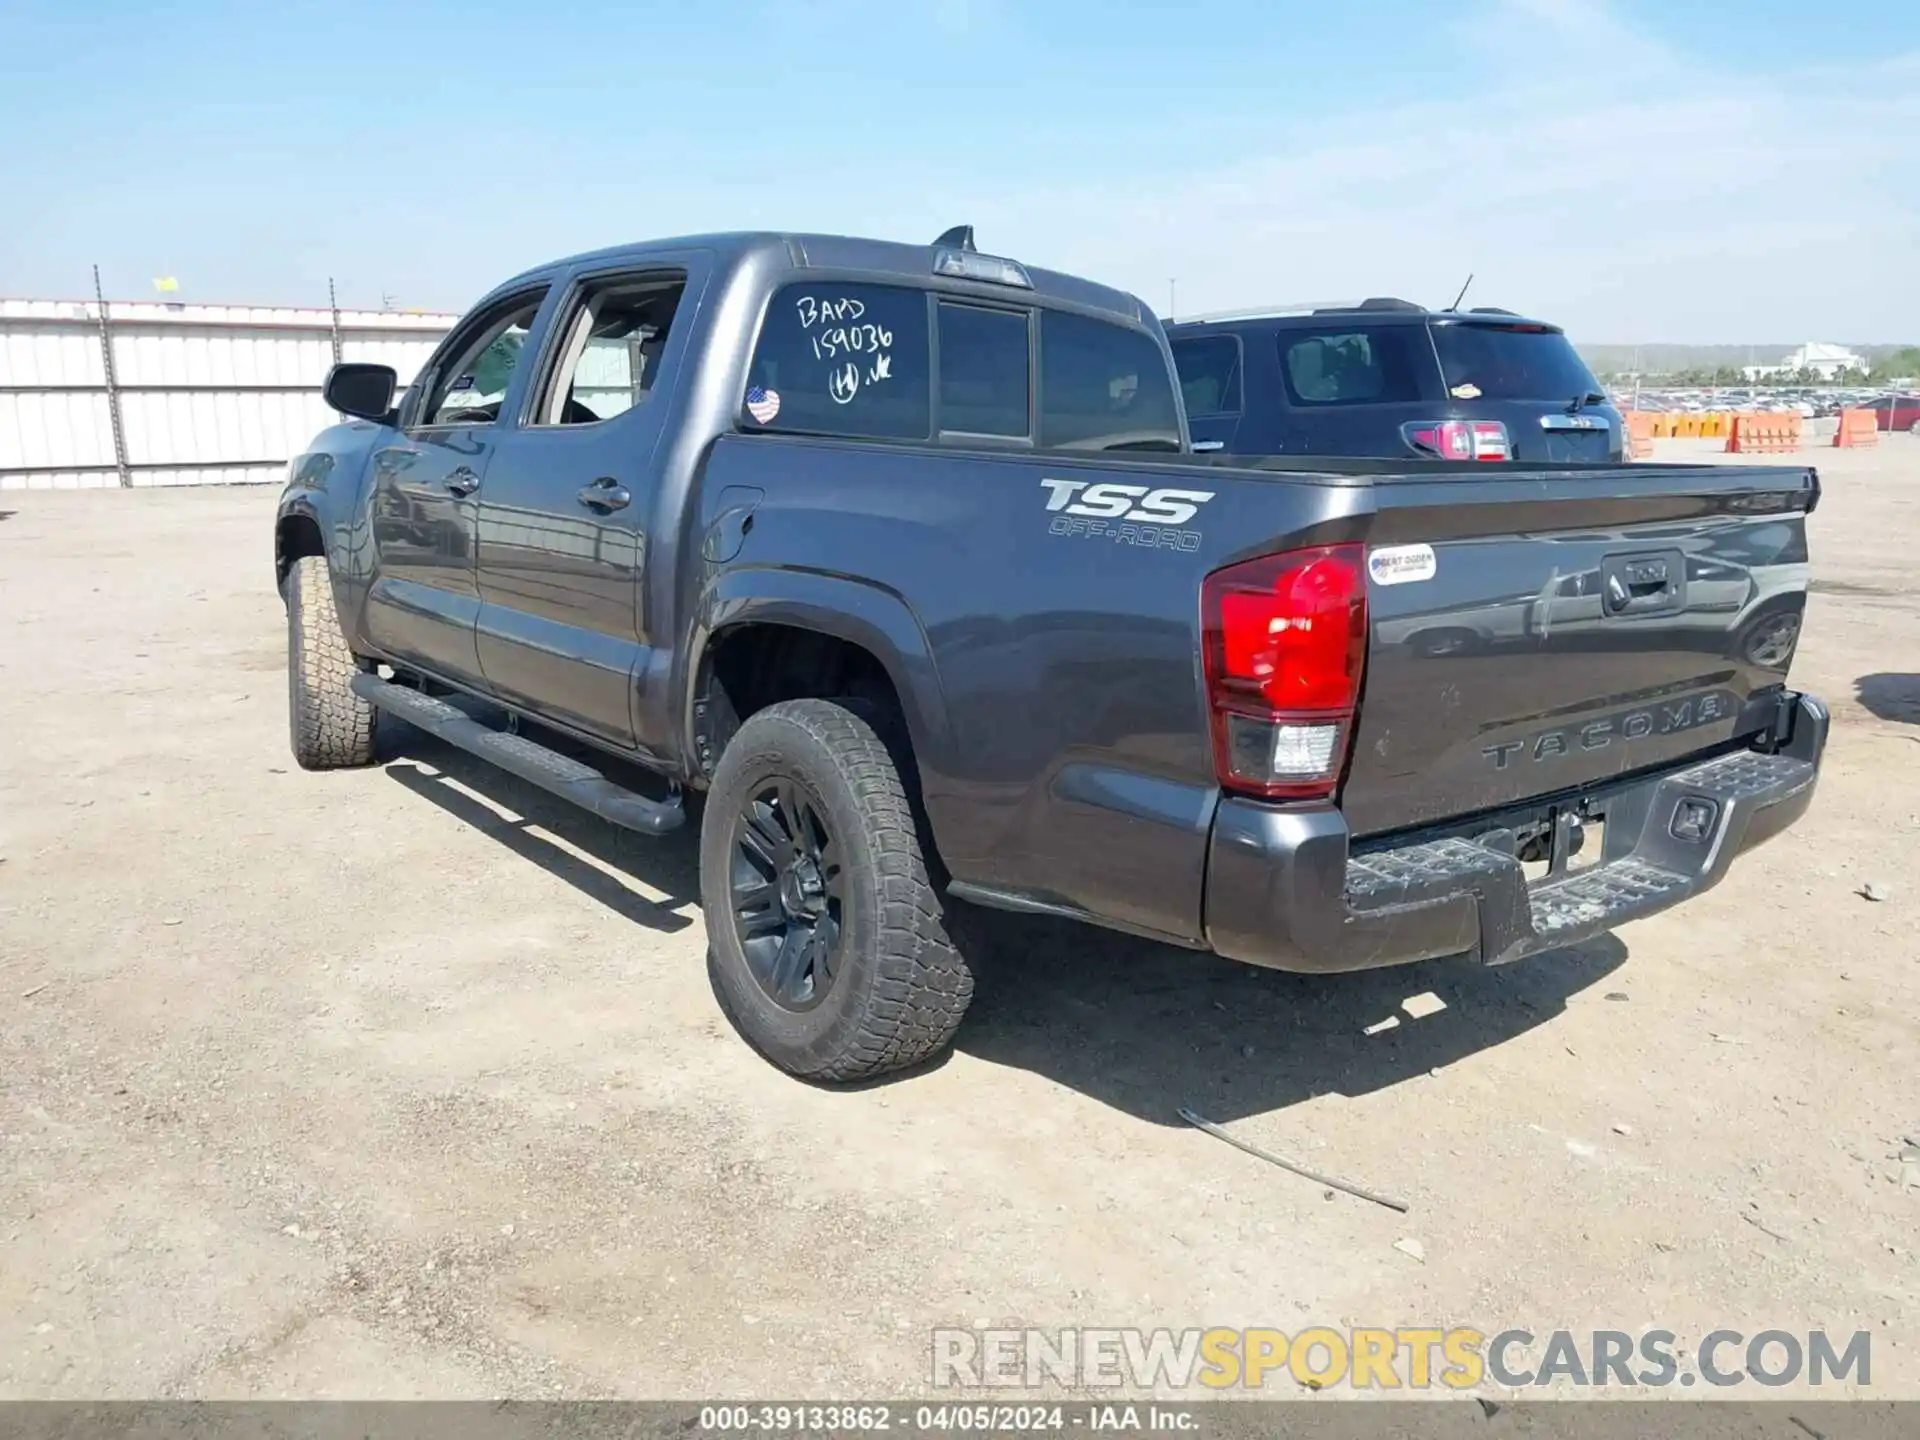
[(1284, 892)]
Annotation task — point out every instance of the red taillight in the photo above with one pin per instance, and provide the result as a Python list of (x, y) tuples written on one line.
[(1284, 639), (1460, 439)]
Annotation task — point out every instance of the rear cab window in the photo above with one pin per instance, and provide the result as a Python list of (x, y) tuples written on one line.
[(983, 371), (1357, 364), (843, 359), (861, 361), (1484, 360), (1103, 387)]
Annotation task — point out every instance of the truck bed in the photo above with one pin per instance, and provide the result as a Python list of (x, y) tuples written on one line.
[(1059, 709)]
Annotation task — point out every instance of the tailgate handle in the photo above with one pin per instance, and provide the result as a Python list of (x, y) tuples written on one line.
[(1642, 584)]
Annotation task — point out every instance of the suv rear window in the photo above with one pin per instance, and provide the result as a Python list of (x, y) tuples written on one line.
[(1357, 365), (843, 360), (1510, 362), (1103, 387)]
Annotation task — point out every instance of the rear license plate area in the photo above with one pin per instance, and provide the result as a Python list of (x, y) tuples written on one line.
[(1576, 445), (1569, 840)]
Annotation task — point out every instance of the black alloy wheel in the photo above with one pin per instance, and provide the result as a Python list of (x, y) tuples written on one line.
[(787, 885)]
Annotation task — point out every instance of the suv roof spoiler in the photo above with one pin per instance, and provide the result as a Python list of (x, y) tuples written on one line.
[(1314, 307)]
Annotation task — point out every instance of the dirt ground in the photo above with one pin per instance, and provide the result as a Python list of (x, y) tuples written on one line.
[(408, 1082)]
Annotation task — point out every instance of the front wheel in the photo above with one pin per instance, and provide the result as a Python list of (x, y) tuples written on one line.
[(826, 942), (330, 727)]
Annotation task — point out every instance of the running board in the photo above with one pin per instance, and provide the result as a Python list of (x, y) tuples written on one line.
[(537, 765)]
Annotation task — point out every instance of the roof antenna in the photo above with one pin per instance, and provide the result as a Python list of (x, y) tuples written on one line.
[(1463, 293), (960, 237)]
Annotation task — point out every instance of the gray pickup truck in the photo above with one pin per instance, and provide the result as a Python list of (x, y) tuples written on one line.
[(898, 557)]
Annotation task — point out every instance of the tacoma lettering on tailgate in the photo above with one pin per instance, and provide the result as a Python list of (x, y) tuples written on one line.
[(1624, 727)]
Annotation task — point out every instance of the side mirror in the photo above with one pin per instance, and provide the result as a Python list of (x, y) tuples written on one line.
[(360, 390)]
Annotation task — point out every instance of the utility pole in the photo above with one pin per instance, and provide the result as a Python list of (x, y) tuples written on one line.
[(120, 465), (333, 307), (1173, 297)]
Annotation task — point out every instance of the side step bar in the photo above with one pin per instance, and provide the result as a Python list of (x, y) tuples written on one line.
[(517, 755)]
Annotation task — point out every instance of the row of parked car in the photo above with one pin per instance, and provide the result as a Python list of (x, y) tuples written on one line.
[(1897, 410)]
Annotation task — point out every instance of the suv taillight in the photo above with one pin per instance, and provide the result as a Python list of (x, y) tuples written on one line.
[(1459, 439), (1284, 638)]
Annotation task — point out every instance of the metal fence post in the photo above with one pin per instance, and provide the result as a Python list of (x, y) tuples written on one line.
[(333, 305), (113, 385)]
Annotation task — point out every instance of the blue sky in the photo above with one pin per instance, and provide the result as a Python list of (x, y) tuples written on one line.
[(1636, 170)]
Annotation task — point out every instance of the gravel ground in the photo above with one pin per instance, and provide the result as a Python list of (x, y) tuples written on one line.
[(408, 1082)]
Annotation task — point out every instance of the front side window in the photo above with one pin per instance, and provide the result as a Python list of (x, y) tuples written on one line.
[(1209, 374), (843, 359), (983, 371), (1103, 387), (470, 388), (1358, 365), (615, 338)]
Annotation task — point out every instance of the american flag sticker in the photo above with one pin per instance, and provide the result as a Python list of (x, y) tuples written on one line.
[(763, 404)]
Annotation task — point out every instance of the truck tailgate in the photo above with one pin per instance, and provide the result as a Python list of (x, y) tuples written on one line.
[(1534, 632)]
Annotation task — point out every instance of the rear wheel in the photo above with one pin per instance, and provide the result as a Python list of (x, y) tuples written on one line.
[(827, 946), (330, 727)]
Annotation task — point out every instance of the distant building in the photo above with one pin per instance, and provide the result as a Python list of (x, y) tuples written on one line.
[(1826, 361)]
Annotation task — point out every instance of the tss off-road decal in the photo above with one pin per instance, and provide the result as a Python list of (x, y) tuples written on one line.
[(1125, 514)]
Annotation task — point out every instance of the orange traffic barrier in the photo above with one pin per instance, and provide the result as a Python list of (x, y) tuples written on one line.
[(1857, 427), (1641, 428), (1686, 426), (1766, 434)]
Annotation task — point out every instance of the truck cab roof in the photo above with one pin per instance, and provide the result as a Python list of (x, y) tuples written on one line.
[(840, 255)]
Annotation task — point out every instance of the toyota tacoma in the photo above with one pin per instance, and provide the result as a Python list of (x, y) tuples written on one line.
[(895, 565)]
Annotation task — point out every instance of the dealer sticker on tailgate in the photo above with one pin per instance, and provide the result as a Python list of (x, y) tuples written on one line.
[(1400, 564)]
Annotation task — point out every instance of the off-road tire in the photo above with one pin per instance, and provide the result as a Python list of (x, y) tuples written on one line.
[(330, 727), (901, 986)]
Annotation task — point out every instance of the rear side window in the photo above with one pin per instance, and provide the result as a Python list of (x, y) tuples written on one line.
[(843, 360), (983, 371), (1103, 387), (1508, 362), (1357, 365), (1209, 375), (615, 338)]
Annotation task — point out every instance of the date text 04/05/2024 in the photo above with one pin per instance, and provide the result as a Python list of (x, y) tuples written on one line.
[(941, 1419)]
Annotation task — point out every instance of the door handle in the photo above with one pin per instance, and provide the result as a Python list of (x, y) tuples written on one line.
[(462, 481), (605, 495)]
